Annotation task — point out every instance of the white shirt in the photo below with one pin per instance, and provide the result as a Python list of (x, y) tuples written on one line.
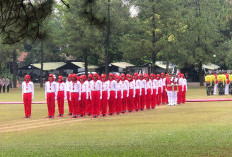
[(163, 81), (119, 88), (143, 83), (75, 87), (50, 87), (68, 85), (28, 88), (154, 84), (180, 81), (84, 88), (148, 85), (7, 81), (105, 87), (62, 87), (185, 84), (96, 86), (125, 86), (112, 85)]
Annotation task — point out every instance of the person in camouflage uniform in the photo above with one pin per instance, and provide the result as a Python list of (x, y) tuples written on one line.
[(221, 84), (230, 84), (208, 83)]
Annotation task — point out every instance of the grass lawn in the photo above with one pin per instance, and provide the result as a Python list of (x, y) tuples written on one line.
[(192, 129)]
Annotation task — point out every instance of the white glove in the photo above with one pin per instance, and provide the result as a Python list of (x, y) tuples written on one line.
[(108, 97), (79, 98), (116, 97), (55, 98), (145, 93), (100, 97), (122, 97), (134, 96), (127, 95), (65, 98)]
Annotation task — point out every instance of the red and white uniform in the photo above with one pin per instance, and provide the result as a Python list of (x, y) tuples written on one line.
[(138, 90), (28, 96), (132, 94), (61, 96), (105, 97), (96, 96), (119, 97), (169, 85), (148, 93), (180, 93), (160, 91), (84, 97), (68, 96), (185, 88), (89, 103), (164, 94), (175, 89), (155, 92), (125, 88), (142, 97), (75, 96), (51, 96), (112, 98)]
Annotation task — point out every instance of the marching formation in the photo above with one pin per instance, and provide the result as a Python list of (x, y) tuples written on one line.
[(98, 96), (218, 81)]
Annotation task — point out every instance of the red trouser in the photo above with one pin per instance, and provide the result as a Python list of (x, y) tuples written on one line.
[(112, 102), (82, 104), (118, 104), (75, 103), (89, 108), (60, 101), (184, 94), (131, 100), (142, 99), (104, 102), (159, 96), (51, 103), (148, 99), (164, 96), (154, 99), (27, 103), (69, 103), (137, 99), (96, 102), (124, 101), (179, 95)]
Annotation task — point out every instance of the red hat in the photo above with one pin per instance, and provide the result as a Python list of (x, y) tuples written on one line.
[(136, 74), (74, 75), (82, 77), (27, 77), (146, 76), (122, 75), (162, 73), (111, 74), (90, 75), (103, 76), (167, 75), (182, 75), (140, 75), (70, 75), (50, 75), (60, 77), (95, 75), (128, 75), (158, 75)]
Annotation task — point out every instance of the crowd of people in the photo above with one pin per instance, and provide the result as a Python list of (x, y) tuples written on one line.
[(98, 96), (218, 82), (4, 84)]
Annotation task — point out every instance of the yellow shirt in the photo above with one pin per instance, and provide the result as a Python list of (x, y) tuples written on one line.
[(230, 78), (208, 78), (221, 78), (213, 79)]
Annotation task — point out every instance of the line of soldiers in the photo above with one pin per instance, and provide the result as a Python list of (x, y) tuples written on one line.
[(98, 96), (221, 82)]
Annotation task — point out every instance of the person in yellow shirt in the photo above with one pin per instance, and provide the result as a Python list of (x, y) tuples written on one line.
[(221, 83), (230, 83), (208, 83)]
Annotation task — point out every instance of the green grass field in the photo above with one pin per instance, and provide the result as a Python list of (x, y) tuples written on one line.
[(192, 129)]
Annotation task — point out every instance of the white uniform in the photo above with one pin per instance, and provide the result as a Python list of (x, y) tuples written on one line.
[(28, 88), (75, 87), (85, 88), (125, 86), (50, 87), (119, 88), (96, 86), (105, 87), (62, 87)]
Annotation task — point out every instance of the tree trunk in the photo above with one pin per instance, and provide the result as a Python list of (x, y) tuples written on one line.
[(201, 75), (167, 67), (153, 38), (107, 42), (85, 54), (41, 69), (15, 69)]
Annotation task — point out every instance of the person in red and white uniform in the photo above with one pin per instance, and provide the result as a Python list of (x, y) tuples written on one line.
[(132, 93), (142, 97), (89, 107), (119, 95), (155, 91), (138, 90), (160, 89), (75, 90), (28, 95), (112, 98), (169, 85), (175, 89), (68, 82), (105, 95), (84, 96), (51, 95), (125, 88), (96, 94), (148, 91), (61, 96), (180, 84), (164, 94), (184, 87)]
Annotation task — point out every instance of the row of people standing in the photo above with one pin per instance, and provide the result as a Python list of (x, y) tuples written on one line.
[(221, 82), (97, 95), (4, 84)]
